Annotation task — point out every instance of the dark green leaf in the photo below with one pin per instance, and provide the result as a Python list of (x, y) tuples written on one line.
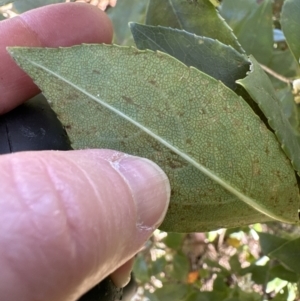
[(235, 264), (210, 56), (290, 22), (281, 272), (219, 284), (261, 90), (259, 274), (125, 11), (181, 267), (251, 22), (225, 167), (270, 242), (174, 240), (196, 296), (199, 17), (288, 254)]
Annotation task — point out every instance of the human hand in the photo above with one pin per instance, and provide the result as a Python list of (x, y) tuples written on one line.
[(68, 219)]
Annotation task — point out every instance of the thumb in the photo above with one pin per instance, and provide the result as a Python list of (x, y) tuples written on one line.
[(69, 219)]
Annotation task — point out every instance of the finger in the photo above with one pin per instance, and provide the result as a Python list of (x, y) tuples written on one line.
[(69, 219), (121, 276), (56, 25)]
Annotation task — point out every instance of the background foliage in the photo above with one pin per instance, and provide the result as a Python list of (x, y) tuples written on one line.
[(258, 262)]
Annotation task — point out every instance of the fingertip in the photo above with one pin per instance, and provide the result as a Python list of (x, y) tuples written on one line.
[(56, 25)]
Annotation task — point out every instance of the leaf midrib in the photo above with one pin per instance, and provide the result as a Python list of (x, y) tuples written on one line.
[(190, 160)]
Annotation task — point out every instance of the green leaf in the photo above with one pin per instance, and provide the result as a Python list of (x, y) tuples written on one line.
[(199, 17), (282, 297), (140, 269), (21, 6), (251, 22), (289, 107), (283, 63), (125, 11), (262, 92), (4, 2), (281, 272), (171, 292), (181, 267), (259, 274), (158, 265), (288, 255), (225, 167), (151, 297), (210, 56), (290, 22), (174, 240), (270, 242)]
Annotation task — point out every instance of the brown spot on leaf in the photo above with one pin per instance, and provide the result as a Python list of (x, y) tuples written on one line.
[(153, 82), (128, 99), (96, 71), (188, 141)]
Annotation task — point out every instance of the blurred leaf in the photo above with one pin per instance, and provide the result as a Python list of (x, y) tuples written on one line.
[(235, 264), (261, 90), (151, 296), (259, 274), (283, 296), (172, 291), (210, 56), (198, 17), (21, 6), (283, 63), (196, 296), (219, 284), (225, 167), (140, 269), (214, 296), (290, 22), (251, 22), (288, 255), (174, 240), (252, 296), (270, 242), (281, 272), (158, 265), (4, 2), (2, 17), (124, 12), (181, 267)]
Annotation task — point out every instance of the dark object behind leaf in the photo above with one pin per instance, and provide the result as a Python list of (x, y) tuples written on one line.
[(32, 126), (107, 291), (35, 126)]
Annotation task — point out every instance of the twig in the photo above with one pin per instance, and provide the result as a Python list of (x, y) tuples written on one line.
[(276, 75)]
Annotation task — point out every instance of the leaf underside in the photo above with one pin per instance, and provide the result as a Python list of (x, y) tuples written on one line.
[(209, 56), (225, 167)]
